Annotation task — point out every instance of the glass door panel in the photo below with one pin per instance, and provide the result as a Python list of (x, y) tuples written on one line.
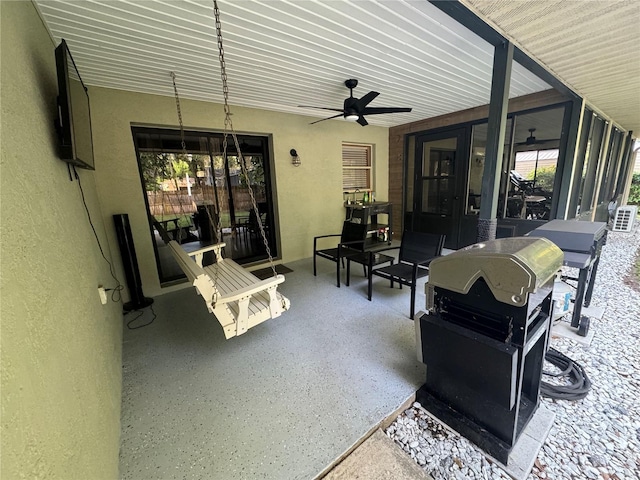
[(436, 184), (476, 167), (203, 197), (436, 196)]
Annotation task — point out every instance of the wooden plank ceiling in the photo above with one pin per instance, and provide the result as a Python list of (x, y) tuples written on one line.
[(281, 54)]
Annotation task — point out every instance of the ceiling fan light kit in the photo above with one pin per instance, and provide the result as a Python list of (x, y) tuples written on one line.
[(354, 109), (532, 140)]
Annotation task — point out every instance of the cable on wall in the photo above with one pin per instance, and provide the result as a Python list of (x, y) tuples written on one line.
[(116, 292)]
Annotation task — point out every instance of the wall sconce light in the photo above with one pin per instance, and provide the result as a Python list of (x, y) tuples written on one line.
[(295, 159)]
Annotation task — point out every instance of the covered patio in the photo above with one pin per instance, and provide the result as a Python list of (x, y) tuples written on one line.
[(294, 394), (291, 397)]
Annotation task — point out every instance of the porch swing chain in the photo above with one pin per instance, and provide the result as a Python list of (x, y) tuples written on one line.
[(183, 144), (218, 224), (228, 125), (179, 110)]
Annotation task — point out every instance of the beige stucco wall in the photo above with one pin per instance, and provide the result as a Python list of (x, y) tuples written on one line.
[(61, 349), (309, 197)]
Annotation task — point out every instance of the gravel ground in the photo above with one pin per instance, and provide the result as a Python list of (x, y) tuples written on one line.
[(597, 437)]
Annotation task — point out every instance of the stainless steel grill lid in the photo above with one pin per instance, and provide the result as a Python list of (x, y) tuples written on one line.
[(512, 267)]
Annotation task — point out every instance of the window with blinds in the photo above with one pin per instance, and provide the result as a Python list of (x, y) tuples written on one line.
[(356, 167)]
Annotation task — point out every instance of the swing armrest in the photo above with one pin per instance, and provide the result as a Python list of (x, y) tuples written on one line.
[(197, 254), (258, 287)]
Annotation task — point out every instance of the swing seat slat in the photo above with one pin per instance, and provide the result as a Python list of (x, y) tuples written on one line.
[(237, 298)]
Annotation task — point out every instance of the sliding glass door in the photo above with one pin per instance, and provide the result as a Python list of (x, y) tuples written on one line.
[(204, 196)]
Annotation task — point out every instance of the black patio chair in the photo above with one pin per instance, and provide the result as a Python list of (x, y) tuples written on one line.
[(352, 241), (416, 252)]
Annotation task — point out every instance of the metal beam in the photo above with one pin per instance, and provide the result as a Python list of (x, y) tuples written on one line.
[(473, 22), (624, 167), (567, 163), (540, 71), (629, 174), (463, 15), (580, 159), (502, 63), (602, 163)]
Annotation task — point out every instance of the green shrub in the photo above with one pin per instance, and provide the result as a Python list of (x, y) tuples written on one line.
[(634, 192), (544, 177)]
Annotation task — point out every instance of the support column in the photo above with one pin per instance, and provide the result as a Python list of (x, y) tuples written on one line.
[(627, 159), (502, 62), (601, 162), (567, 163)]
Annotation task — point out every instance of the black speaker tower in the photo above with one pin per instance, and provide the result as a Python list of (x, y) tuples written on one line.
[(130, 264)]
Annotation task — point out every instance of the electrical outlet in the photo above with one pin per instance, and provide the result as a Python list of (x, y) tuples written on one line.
[(103, 295)]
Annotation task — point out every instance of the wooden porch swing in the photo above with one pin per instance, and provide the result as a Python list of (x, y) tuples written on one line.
[(236, 297)]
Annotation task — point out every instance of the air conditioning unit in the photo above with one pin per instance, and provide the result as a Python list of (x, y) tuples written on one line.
[(625, 215)]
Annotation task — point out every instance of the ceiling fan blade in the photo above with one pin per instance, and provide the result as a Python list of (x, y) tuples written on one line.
[(328, 118), (366, 100), (321, 108), (378, 110), (357, 107)]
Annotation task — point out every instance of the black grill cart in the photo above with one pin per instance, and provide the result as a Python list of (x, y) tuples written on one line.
[(485, 336), (581, 243)]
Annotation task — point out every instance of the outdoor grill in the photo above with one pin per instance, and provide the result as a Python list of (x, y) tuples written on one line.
[(485, 336)]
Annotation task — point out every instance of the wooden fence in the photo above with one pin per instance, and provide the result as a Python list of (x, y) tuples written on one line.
[(181, 203)]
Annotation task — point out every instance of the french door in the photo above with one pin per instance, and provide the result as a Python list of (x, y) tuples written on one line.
[(438, 183)]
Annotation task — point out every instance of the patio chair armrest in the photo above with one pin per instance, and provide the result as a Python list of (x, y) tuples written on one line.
[(327, 236), (352, 242), (420, 262), (427, 261), (315, 240), (344, 246)]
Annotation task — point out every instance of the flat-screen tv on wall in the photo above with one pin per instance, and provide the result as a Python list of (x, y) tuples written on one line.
[(74, 115)]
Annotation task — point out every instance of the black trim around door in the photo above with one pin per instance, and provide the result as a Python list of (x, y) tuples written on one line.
[(439, 180)]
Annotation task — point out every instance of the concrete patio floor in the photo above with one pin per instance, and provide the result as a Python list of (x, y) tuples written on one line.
[(285, 400)]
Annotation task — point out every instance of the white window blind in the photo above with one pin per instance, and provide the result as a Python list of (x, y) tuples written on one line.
[(356, 167)]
